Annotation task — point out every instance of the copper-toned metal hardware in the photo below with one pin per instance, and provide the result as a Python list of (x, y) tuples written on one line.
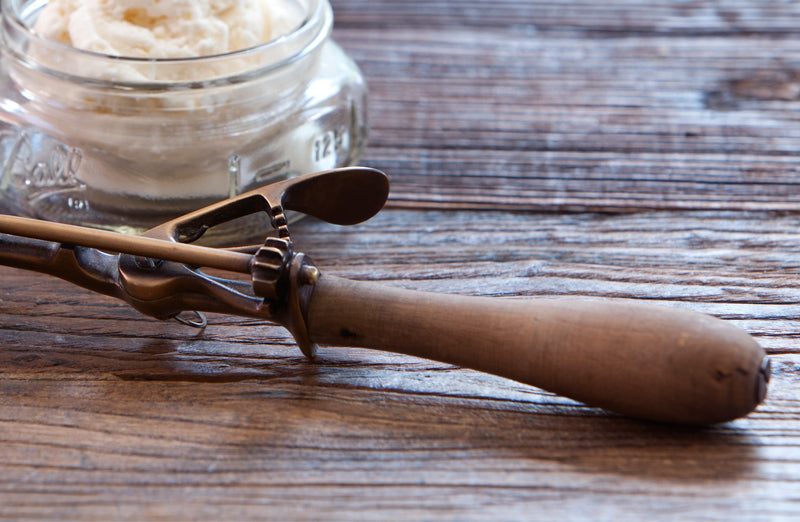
[(270, 268), (650, 362), (160, 273)]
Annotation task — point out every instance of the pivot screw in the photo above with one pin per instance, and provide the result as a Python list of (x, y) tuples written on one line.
[(309, 275)]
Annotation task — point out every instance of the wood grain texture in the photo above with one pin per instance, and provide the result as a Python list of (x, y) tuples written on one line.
[(523, 128), (545, 106), (106, 413)]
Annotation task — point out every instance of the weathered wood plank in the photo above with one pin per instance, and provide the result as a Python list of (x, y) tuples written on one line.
[(586, 18), (623, 105), (381, 438), (363, 424), (738, 266), (104, 413), (534, 122)]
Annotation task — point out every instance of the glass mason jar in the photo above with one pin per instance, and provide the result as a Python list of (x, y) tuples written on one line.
[(128, 143)]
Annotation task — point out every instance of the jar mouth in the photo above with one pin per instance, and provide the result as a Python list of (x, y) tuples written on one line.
[(35, 52)]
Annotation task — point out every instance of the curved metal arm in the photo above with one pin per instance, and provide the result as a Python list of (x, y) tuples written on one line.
[(344, 196), (86, 267), (158, 273)]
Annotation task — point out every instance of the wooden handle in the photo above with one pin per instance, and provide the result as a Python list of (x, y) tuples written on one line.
[(640, 360)]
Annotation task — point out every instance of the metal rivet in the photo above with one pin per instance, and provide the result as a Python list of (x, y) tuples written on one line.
[(309, 275)]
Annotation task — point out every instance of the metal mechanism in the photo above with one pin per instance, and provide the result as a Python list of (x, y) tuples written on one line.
[(162, 274), (270, 268)]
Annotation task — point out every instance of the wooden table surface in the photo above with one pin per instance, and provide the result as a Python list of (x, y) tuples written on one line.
[(623, 148)]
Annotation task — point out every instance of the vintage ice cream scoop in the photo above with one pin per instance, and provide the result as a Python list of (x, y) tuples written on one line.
[(645, 361)]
